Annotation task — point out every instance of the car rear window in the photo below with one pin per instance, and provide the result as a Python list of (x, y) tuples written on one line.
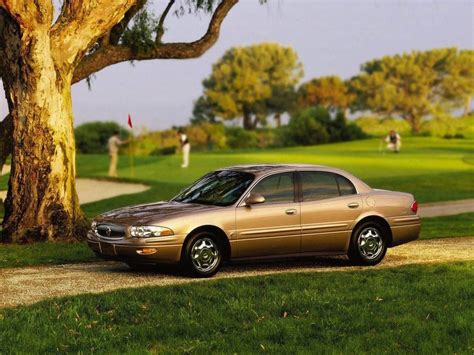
[(318, 186)]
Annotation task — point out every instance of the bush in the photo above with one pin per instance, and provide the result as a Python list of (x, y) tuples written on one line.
[(446, 126), (164, 151), (207, 136), (378, 127), (305, 128), (238, 138), (92, 137)]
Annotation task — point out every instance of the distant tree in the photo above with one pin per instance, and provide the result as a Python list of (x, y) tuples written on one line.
[(330, 92), (413, 85), (245, 79), (283, 99), (458, 79), (92, 137), (203, 111)]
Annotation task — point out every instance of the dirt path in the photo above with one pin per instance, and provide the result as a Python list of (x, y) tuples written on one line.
[(21, 286), (90, 190)]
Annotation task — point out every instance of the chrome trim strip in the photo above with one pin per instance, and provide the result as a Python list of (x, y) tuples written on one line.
[(266, 231), (406, 219), (324, 226)]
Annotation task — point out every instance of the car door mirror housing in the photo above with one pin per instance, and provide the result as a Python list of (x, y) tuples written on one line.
[(254, 199)]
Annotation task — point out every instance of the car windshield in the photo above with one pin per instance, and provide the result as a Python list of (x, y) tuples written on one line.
[(220, 188)]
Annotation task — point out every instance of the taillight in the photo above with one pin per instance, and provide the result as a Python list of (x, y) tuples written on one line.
[(414, 206)]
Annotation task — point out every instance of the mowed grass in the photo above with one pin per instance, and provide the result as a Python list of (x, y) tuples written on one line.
[(403, 310)]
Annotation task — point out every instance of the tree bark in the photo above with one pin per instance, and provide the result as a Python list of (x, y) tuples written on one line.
[(42, 202), (467, 105), (249, 123), (277, 118)]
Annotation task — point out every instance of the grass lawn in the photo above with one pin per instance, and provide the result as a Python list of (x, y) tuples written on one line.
[(401, 310), (460, 225)]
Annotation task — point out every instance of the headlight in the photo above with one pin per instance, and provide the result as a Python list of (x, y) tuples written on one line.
[(150, 231)]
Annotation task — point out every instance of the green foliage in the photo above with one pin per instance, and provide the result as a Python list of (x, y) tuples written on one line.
[(444, 125), (376, 127), (203, 111), (250, 82), (315, 125), (239, 138), (92, 137), (413, 85), (330, 92), (423, 309), (305, 128), (139, 36), (207, 136)]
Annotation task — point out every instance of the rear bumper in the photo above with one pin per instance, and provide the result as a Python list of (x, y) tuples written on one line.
[(405, 234), (131, 251)]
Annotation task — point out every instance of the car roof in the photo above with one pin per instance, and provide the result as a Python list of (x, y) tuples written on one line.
[(264, 169), (258, 169)]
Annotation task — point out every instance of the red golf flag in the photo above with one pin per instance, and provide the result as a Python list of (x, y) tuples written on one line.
[(130, 121)]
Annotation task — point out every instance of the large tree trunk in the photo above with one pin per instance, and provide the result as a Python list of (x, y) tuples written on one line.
[(42, 202), (249, 124), (415, 123)]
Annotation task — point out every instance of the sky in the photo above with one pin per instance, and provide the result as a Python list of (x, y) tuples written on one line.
[(330, 37)]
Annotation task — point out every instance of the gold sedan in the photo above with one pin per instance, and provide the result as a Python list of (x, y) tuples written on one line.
[(257, 212)]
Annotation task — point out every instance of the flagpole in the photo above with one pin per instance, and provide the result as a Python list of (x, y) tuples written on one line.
[(131, 150)]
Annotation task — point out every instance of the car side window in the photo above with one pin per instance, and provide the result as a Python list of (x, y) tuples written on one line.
[(278, 188), (318, 185), (345, 186)]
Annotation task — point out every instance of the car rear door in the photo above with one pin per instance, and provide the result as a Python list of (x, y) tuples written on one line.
[(273, 227), (329, 205)]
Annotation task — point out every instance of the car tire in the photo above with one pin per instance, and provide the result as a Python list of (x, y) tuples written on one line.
[(368, 244), (203, 254)]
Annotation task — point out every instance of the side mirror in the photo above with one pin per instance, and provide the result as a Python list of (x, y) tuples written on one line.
[(254, 199)]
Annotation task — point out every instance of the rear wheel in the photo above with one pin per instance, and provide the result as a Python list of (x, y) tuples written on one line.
[(202, 255), (368, 244)]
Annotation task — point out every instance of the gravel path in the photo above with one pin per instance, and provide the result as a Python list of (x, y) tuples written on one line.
[(22, 286)]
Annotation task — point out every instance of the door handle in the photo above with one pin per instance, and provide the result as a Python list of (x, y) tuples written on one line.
[(353, 205), (290, 211)]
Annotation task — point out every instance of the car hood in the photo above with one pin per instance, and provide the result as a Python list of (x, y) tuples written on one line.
[(151, 213)]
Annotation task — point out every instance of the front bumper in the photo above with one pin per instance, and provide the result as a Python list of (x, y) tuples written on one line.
[(168, 249)]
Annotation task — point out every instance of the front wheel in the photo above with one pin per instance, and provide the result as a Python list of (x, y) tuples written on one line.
[(368, 244), (202, 255)]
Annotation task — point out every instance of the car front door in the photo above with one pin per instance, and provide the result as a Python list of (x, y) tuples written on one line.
[(272, 227), (329, 205)]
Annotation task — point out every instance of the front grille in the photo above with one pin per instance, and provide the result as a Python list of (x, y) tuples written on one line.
[(110, 231)]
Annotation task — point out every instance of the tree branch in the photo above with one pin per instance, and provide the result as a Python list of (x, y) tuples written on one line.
[(80, 24), (160, 30), (113, 54), (119, 28), (29, 14)]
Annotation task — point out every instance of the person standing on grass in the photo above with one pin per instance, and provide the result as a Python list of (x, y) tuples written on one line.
[(113, 144), (185, 147), (394, 141)]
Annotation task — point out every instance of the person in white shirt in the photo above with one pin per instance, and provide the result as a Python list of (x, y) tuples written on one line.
[(394, 141), (113, 145), (185, 147)]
